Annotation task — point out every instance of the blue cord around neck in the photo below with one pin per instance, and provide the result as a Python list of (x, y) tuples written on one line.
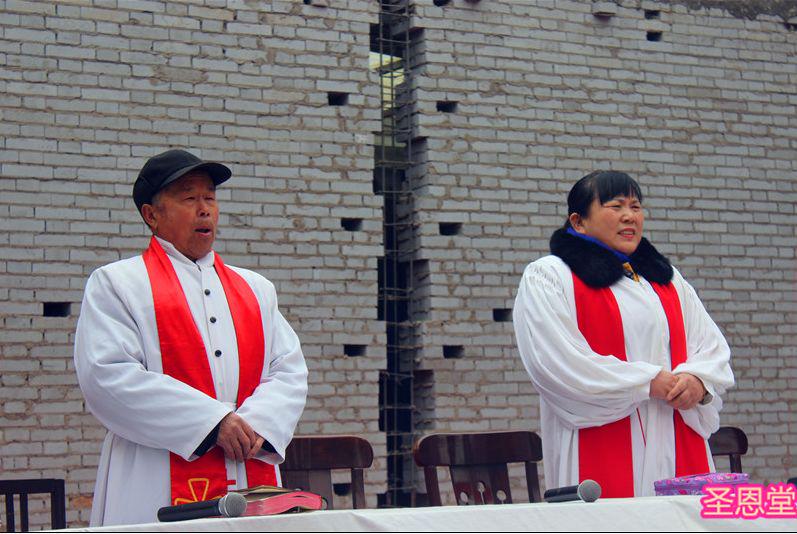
[(622, 257)]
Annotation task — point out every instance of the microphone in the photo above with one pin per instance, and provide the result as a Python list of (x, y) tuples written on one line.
[(587, 491), (231, 505)]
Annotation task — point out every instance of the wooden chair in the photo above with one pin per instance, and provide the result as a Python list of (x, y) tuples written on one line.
[(309, 462), (477, 463), (25, 487), (729, 441)]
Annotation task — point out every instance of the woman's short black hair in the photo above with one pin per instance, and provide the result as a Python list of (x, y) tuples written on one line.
[(604, 185)]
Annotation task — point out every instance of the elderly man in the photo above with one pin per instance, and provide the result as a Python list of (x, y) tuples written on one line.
[(187, 361)]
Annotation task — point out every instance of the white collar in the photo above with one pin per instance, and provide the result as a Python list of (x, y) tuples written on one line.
[(205, 261)]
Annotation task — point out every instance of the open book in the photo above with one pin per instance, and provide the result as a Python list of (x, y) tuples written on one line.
[(271, 500)]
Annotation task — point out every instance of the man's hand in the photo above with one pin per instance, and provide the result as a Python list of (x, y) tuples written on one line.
[(256, 447), (687, 392), (662, 384), (237, 438)]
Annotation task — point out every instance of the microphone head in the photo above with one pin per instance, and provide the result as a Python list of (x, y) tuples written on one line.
[(232, 505), (589, 490)]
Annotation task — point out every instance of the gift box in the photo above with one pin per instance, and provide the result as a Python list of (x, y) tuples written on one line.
[(693, 484)]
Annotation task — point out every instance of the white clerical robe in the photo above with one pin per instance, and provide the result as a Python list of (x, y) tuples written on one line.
[(579, 388), (147, 413)]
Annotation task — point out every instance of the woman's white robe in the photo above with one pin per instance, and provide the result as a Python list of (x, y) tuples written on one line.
[(579, 388), (147, 413)]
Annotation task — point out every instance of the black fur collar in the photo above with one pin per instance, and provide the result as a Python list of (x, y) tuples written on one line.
[(598, 267)]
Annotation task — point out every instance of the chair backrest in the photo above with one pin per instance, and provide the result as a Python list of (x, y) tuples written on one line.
[(729, 441), (309, 462), (25, 487), (477, 463)]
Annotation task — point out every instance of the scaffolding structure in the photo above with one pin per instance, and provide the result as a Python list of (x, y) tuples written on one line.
[(392, 47)]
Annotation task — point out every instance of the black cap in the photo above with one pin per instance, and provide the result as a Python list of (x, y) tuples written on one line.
[(163, 169)]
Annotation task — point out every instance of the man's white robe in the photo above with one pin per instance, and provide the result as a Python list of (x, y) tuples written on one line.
[(147, 413), (579, 388)]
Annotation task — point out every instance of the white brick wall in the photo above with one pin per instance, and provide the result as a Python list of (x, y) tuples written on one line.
[(88, 93), (704, 118)]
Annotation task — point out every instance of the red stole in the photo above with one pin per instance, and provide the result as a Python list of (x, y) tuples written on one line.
[(185, 358), (605, 452)]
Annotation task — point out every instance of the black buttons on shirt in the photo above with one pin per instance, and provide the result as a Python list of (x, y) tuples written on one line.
[(213, 320), (217, 353)]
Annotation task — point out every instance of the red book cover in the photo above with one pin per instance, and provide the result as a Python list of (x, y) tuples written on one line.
[(271, 500)]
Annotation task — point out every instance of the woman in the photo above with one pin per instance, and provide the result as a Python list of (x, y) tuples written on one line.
[(628, 363)]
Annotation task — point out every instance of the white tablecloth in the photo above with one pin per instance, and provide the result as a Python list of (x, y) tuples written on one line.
[(607, 515)]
